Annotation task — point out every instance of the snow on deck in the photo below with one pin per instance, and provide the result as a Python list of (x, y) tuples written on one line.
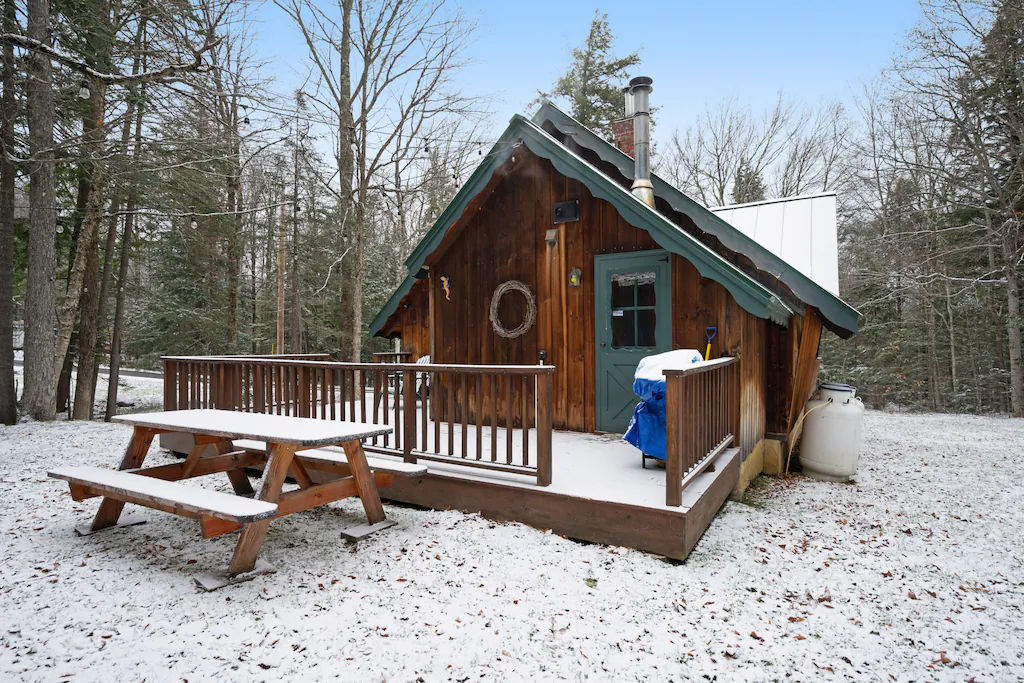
[(598, 467), (912, 573)]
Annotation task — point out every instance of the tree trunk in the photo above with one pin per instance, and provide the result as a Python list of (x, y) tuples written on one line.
[(98, 46), (346, 169), (951, 331), (126, 245), (87, 335), (1013, 323), (8, 113), (280, 279), (122, 280), (999, 389), (360, 276), (40, 296), (234, 191), (234, 260)]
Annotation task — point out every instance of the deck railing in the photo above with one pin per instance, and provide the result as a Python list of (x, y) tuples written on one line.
[(495, 417), (701, 417)]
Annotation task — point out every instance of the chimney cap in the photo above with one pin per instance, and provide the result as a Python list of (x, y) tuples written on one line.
[(641, 81)]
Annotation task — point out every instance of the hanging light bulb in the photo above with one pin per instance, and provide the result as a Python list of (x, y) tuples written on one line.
[(193, 222), (60, 224), (83, 89)]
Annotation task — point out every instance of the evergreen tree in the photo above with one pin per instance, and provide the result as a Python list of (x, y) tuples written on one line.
[(593, 84), (748, 186)]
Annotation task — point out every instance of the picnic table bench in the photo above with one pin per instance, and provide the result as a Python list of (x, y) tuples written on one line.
[(282, 445)]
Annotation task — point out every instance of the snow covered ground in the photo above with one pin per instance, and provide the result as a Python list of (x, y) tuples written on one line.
[(914, 573)]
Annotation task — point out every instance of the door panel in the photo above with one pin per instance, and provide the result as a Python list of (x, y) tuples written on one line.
[(633, 310)]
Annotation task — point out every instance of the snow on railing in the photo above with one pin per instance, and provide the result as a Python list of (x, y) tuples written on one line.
[(494, 417)]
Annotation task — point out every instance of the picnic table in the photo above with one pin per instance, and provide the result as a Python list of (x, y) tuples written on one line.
[(283, 445)]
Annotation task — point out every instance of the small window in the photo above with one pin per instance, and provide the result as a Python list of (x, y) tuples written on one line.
[(633, 299), (623, 328), (646, 323), (645, 294), (623, 294)]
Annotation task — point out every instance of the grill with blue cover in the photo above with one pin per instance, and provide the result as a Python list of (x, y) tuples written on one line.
[(646, 428)]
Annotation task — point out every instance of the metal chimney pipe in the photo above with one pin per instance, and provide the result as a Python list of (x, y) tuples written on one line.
[(639, 97), (627, 93)]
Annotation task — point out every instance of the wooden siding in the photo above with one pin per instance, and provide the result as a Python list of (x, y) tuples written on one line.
[(502, 237), (413, 319)]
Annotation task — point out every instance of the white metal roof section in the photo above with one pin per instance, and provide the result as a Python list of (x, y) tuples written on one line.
[(799, 230)]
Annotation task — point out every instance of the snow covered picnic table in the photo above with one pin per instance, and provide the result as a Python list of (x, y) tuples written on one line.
[(286, 440)]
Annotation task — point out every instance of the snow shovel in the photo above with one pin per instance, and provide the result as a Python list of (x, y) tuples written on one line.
[(710, 333)]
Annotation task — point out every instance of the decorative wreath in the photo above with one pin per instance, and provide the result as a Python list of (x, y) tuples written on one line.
[(531, 309)]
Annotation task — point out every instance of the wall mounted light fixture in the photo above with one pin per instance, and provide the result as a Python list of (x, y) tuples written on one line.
[(575, 277)]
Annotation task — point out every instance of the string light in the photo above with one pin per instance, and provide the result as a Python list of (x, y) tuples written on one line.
[(194, 223), (83, 89)]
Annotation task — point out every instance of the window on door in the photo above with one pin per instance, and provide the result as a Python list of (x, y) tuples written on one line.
[(633, 302)]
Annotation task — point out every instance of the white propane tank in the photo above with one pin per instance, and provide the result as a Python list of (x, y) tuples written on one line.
[(832, 433)]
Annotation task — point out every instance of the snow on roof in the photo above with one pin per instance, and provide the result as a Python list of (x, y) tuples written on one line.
[(799, 230)]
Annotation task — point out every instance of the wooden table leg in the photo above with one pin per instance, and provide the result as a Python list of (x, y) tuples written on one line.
[(365, 483), (134, 455), (238, 478), (279, 458)]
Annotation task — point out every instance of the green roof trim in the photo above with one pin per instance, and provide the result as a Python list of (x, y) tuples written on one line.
[(748, 293), (841, 315)]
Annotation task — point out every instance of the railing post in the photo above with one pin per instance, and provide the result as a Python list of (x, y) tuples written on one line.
[(408, 414), (170, 385), (673, 441), (544, 410)]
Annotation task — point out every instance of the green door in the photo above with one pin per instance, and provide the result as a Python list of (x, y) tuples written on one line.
[(633, 319)]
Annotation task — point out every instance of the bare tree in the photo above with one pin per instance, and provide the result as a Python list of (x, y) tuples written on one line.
[(405, 53), (707, 158), (963, 64)]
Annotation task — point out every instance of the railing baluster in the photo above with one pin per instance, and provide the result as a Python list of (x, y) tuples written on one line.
[(526, 420), (478, 414), (384, 380), (398, 414), (509, 419), (493, 380), (409, 414), (361, 376), (435, 413), (464, 405), (450, 410)]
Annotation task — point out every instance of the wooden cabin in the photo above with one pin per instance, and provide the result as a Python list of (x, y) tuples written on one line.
[(561, 250), (613, 280)]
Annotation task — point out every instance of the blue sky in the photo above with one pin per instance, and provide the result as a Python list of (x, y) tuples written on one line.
[(697, 52)]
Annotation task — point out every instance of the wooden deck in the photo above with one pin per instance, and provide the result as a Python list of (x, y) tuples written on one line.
[(599, 493), (580, 485)]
